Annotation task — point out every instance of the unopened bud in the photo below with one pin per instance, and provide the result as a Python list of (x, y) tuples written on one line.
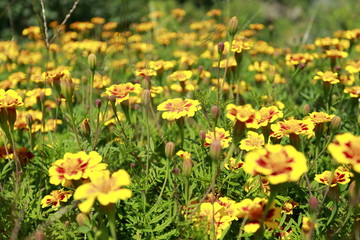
[(92, 61), (39, 235), (215, 112), (29, 120), (11, 116), (169, 150), (215, 150), (67, 87), (176, 171), (335, 123), (146, 97), (202, 135), (85, 128), (82, 219), (132, 165), (313, 204), (221, 47), (306, 109), (112, 99), (98, 103), (187, 166), (233, 26)]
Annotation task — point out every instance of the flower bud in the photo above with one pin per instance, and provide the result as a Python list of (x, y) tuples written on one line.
[(92, 61), (176, 171), (170, 150), (29, 120), (11, 112), (233, 26), (112, 99), (82, 219), (132, 165), (98, 103), (85, 128), (215, 112), (202, 135), (146, 97), (187, 166), (221, 47), (335, 123), (39, 235), (306, 109), (313, 204), (215, 150), (67, 87)]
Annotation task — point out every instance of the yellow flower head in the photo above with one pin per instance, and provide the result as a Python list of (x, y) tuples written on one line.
[(253, 141), (353, 91), (239, 45), (289, 206), (232, 164), (181, 75), (104, 188), (320, 117), (244, 113), (268, 115), (293, 126), (75, 166), (144, 72), (253, 210), (219, 134), (279, 163), (10, 99), (339, 177), (353, 67), (334, 53), (345, 150), (307, 224), (327, 76), (55, 198), (176, 108), (122, 91)]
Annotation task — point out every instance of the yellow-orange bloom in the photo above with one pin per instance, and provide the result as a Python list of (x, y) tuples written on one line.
[(181, 75), (176, 108), (345, 150), (293, 126), (75, 166), (268, 115), (253, 141), (254, 209), (55, 198), (104, 188), (327, 76), (122, 91), (339, 177), (10, 99), (353, 91), (219, 134), (244, 113), (279, 163), (320, 117)]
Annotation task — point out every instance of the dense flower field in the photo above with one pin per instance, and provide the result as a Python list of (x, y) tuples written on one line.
[(178, 129)]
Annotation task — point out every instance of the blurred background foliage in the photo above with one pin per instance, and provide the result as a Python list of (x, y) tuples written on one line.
[(291, 18)]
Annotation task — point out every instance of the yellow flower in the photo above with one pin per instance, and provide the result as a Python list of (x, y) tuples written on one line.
[(181, 75), (268, 115), (339, 176), (75, 166), (253, 210), (353, 91), (219, 134), (353, 67), (145, 72), (279, 163), (289, 206), (55, 198), (122, 91), (307, 224), (334, 53), (345, 150), (244, 114), (104, 188), (232, 164), (320, 117), (327, 76), (293, 126), (176, 108), (239, 45), (253, 141), (10, 99)]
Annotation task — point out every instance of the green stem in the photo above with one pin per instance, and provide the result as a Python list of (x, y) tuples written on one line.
[(112, 222)]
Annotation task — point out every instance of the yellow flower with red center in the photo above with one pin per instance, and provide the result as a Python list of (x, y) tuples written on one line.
[(243, 113), (252, 141), (122, 91), (253, 211), (345, 150), (220, 134), (55, 198), (176, 108), (145, 72), (75, 166), (294, 59), (293, 126), (334, 53), (231, 207), (181, 75), (353, 91), (239, 45), (327, 76), (268, 115), (279, 163), (332, 179), (233, 164), (156, 90), (289, 206), (103, 187), (320, 117), (10, 99)]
